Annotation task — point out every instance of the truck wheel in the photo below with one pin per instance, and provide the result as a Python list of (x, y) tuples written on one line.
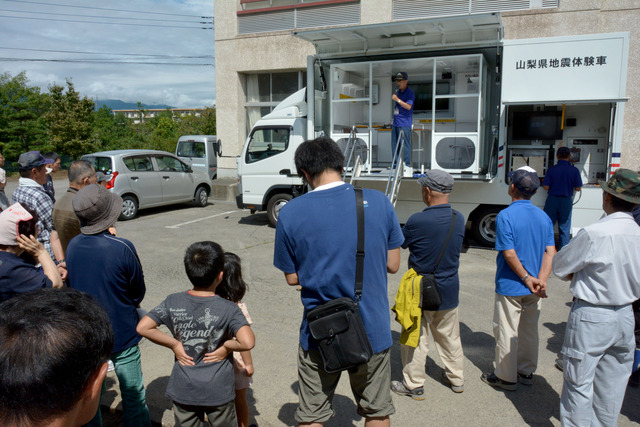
[(129, 208), (483, 226), (275, 204), (202, 197)]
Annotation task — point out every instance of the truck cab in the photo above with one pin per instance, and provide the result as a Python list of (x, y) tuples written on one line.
[(200, 152)]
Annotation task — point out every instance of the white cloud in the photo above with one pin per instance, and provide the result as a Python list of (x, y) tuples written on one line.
[(178, 85)]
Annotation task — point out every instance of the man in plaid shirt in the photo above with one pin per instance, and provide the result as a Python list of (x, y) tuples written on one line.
[(30, 193)]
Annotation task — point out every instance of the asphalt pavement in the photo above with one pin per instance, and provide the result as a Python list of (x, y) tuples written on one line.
[(161, 236)]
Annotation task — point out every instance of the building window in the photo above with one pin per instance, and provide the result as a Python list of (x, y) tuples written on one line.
[(264, 91)]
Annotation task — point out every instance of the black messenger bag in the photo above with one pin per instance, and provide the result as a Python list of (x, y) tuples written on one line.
[(336, 325), (430, 296)]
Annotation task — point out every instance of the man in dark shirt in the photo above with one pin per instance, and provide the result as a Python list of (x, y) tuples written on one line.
[(426, 235), (65, 221), (107, 267), (560, 182)]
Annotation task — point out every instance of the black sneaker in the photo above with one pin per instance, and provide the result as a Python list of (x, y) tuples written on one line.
[(496, 382), (399, 388), (525, 379)]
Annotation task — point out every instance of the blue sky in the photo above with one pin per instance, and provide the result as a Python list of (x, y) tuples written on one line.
[(153, 51)]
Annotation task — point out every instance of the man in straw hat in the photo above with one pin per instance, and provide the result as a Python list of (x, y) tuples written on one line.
[(602, 262), (107, 267)]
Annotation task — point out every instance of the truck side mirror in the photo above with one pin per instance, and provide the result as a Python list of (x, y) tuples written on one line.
[(219, 148), (285, 172)]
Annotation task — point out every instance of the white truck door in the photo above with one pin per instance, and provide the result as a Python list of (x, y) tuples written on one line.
[(267, 161)]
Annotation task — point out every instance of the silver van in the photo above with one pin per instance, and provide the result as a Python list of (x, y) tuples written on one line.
[(149, 178), (200, 152)]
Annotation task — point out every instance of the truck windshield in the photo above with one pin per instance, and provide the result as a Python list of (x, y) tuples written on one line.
[(191, 149), (265, 143)]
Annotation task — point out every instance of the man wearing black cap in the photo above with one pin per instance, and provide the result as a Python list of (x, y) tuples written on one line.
[(602, 263), (107, 267), (427, 236), (402, 116), (30, 192), (560, 182), (525, 245)]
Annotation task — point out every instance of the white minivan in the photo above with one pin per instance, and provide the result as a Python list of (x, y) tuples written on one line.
[(200, 152)]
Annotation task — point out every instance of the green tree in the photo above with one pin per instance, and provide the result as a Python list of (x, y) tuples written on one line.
[(21, 109), (70, 121), (112, 131)]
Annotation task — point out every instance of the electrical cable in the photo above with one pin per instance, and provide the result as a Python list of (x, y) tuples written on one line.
[(105, 8), (106, 17), (107, 23), (140, 55)]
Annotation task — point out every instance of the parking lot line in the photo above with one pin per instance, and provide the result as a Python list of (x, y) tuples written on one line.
[(200, 219)]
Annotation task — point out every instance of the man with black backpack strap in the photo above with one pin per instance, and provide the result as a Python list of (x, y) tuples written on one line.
[(434, 238), (315, 247)]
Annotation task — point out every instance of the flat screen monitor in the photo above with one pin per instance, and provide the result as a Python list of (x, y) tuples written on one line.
[(424, 97), (537, 125)]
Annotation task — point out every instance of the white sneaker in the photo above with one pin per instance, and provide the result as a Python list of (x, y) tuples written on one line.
[(111, 367), (407, 172)]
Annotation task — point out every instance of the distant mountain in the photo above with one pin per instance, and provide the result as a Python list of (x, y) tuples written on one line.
[(116, 104)]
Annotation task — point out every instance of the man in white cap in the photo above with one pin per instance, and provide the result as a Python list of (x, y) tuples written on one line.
[(526, 246), (107, 267), (602, 263), (435, 243)]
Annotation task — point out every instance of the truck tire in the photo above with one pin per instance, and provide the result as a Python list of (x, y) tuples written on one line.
[(483, 226), (129, 208), (276, 203)]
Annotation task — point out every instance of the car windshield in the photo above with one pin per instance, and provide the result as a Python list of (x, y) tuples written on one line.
[(191, 149), (100, 164)]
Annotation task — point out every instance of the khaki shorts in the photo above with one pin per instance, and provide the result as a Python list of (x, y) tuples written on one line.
[(370, 384)]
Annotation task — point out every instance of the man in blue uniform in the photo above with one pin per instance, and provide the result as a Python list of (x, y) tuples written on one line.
[(402, 115), (315, 248), (560, 182)]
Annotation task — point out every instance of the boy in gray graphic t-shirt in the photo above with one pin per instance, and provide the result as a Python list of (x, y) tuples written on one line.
[(206, 330)]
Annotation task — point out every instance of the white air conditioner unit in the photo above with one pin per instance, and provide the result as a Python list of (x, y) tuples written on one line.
[(455, 153)]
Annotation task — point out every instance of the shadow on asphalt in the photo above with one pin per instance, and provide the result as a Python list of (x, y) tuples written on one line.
[(554, 344), (156, 399), (258, 219)]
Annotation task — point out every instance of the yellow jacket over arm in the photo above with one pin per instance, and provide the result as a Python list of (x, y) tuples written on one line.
[(407, 308)]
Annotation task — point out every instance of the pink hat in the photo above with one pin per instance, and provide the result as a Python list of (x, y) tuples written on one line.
[(9, 219)]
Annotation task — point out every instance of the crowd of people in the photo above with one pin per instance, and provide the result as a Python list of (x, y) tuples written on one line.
[(72, 333)]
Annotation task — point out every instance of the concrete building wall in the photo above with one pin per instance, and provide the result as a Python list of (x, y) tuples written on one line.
[(279, 51)]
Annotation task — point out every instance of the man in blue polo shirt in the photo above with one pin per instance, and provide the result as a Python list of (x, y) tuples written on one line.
[(560, 182), (315, 248), (427, 235), (402, 115), (525, 245)]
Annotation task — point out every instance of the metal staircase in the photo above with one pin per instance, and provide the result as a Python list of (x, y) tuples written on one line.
[(396, 170)]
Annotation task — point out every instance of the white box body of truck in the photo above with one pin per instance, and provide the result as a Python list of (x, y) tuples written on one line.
[(484, 106)]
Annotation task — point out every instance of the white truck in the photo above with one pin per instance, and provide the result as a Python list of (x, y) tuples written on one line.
[(484, 106), (200, 152)]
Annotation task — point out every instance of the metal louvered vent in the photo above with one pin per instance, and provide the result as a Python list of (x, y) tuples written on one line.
[(486, 6), (413, 9), (307, 17), (328, 16), (266, 22)]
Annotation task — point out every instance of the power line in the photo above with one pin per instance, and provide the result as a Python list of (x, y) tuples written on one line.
[(106, 23), (102, 61), (110, 53), (105, 8), (107, 17)]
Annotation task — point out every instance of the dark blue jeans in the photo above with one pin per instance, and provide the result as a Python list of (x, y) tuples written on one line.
[(395, 131), (559, 209)]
